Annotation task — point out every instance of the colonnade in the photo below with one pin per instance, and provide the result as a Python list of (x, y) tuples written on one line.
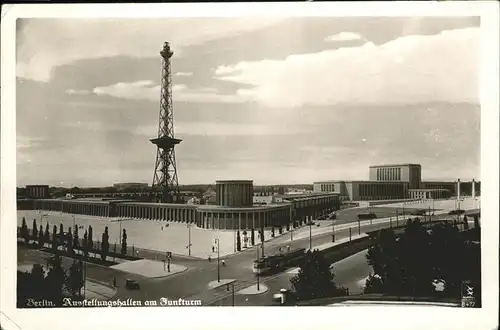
[(153, 211), (244, 218)]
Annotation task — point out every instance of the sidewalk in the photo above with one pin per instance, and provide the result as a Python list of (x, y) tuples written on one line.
[(149, 268), (98, 290)]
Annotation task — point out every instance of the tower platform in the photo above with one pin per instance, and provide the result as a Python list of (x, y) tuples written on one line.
[(165, 142)]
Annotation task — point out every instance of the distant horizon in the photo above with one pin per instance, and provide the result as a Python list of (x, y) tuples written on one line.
[(463, 180)]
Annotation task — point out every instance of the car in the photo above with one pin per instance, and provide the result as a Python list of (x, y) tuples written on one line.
[(455, 212), (132, 284)]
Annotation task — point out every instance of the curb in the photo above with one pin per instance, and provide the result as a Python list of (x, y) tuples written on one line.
[(221, 285), (164, 276), (106, 285)]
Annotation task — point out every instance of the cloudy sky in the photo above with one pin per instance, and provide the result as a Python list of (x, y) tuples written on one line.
[(274, 100)]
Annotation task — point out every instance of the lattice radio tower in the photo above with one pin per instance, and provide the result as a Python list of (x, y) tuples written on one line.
[(165, 179)]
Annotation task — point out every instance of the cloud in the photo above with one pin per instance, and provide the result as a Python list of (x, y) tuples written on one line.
[(344, 36), (148, 90), (219, 129), (410, 69), (77, 92), (69, 40), (184, 74)]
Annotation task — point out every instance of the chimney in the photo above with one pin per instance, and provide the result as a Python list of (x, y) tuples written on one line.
[(458, 189), (473, 188)]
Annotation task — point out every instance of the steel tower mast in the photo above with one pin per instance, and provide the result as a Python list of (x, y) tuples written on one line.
[(165, 179)]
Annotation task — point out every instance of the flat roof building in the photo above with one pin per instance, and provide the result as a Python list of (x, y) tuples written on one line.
[(411, 173), (395, 181)]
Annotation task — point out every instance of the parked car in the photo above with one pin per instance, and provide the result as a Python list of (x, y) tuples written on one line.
[(132, 284), (455, 212)]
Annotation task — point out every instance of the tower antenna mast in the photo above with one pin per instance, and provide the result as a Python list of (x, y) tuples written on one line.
[(165, 180)]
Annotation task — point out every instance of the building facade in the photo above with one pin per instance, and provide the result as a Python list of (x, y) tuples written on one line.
[(234, 193), (280, 210), (364, 190), (429, 193), (37, 191), (411, 173), (399, 181)]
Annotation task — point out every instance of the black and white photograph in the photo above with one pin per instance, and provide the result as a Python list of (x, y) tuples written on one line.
[(250, 161)]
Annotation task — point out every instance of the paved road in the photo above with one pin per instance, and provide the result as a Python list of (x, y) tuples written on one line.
[(349, 272)]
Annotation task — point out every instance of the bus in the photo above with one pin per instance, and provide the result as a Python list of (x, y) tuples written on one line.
[(278, 262)]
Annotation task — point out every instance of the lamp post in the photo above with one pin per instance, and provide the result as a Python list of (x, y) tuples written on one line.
[(310, 234), (218, 260), (333, 230), (189, 238), (258, 269)]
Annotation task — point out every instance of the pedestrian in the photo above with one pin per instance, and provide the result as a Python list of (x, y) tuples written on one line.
[(209, 259), (213, 248), (223, 262)]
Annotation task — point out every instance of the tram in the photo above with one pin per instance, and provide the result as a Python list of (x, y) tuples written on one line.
[(279, 262)]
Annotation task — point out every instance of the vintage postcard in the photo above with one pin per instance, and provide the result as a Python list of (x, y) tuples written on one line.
[(264, 155)]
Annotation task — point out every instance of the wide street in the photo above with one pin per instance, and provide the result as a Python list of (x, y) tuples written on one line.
[(350, 273)]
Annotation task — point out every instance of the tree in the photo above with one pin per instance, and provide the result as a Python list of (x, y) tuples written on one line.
[(25, 232), (252, 237), (34, 232), (85, 244), (37, 281), (74, 281), (314, 279), (76, 242), (62, 239), (124, 243), (55, 280), (41, 236), (54, 238), (69, 245), (409, 265), (90, 241), (476, 221), (238, 241), (105, 244), (47, 234), (373, 284)]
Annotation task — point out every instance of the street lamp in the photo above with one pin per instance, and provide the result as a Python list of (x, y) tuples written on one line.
[(291, 223), (218, 260), (258, 274), (333, 230), (189, 238), (310, 224)]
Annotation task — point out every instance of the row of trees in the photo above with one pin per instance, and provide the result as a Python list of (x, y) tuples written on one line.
[(408, 265), (70, 241), (50, 284)]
